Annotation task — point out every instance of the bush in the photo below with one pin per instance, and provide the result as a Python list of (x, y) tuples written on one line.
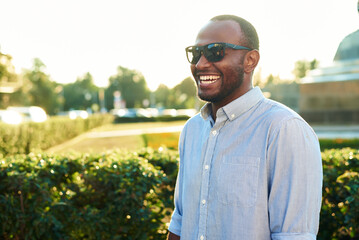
[(338, 143), (110, 196), (121, 195), (167, 161), (340, 207), (31, 136)]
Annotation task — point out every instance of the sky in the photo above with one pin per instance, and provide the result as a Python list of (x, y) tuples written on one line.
[(73, 37)]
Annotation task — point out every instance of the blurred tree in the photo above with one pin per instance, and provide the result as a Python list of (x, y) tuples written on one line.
[(286, 92), (162, 95), (9, 81), (257, 78), (82, 94), (184, 95), (131, 85), (270, 79), (40, 89), (7, 70), (302, 66), (281, 90)]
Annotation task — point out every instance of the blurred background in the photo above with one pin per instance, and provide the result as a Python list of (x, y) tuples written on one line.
[(94, 94), (78, 58)]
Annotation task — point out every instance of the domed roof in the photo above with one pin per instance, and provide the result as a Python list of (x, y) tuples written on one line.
[(349, 48)]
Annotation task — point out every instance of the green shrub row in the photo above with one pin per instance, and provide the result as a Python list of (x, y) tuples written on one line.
[(339, 143), (121, 195), (340, 206), (30, 136), (115, 195)]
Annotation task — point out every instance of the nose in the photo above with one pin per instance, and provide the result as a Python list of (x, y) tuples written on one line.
[(202, 62)]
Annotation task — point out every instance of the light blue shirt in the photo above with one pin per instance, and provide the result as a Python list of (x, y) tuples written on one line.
[(253, 174)]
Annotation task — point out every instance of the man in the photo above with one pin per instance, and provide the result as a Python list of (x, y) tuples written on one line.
[(250, 168)]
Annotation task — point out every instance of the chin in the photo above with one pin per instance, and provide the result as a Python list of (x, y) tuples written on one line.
[(212, 99)]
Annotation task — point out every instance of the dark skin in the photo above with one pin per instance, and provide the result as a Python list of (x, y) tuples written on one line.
[(229, 84), (222, 82)]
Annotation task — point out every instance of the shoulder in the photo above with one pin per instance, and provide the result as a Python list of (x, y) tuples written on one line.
[(280, 116), (278, 110), (194, 121)]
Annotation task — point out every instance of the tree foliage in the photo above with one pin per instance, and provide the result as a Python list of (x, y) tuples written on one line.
[(132, 86), (41, 89), (7, 72), (8, 80), (128, 85), (82, 94), (183, 95), (301, 67), (162, 95)]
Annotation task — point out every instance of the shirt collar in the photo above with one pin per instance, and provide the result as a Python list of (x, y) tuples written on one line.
[(237, 107)]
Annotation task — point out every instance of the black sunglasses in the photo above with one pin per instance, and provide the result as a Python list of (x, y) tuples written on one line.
[(213, 52)]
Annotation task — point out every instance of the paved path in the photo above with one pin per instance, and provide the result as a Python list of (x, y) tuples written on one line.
[(329, 132), (340, 131), (119, 133), (115, 133)]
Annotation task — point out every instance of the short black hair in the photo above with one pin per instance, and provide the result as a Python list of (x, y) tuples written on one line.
[(250, 33)]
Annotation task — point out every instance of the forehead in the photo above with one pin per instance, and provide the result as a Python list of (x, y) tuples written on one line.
[(219, 31)]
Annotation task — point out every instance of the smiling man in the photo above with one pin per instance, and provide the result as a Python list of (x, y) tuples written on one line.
[(250, 168)]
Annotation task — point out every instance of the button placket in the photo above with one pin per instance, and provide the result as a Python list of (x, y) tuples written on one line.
[(207, 161), (205, 181)]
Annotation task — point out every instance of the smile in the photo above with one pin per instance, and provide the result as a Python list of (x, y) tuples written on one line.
[(208, 79)]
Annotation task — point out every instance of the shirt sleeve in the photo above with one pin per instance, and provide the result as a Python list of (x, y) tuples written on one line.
[(176, 219), (295, 184)]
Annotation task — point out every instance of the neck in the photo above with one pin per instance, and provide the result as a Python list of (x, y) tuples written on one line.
[(217, 105), (214, 110)]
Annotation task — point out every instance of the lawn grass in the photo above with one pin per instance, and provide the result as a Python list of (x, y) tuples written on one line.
[(157, 140), (129, 126), (96, 145), (85, 144)]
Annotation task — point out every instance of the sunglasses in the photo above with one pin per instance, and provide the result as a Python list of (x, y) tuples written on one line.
[(213, 52)]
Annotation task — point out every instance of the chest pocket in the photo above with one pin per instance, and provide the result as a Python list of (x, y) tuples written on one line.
[(238, 181)]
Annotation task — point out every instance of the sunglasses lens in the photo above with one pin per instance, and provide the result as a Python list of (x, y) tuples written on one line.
[(214, 52), (193, 54)]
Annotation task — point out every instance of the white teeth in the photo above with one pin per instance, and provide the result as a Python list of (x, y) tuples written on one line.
[(209, 79)]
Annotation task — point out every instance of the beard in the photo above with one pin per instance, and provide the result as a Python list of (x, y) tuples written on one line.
[(227, 87)]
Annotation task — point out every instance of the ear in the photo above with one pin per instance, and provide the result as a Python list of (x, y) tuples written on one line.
[(251, 61)]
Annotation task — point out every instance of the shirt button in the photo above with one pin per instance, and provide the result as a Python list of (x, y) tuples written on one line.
[(214, 132), (203, 201), (232, 116), (206, 167), (202, 237)]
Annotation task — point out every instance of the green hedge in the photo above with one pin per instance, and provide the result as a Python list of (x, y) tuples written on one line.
[(338, 143), (121, 195), (30, 136), (115, 195), (340, 207)]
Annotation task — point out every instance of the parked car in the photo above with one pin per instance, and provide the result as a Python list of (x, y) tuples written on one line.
[(28, 114), (73, 114), (10, 117), (124, 112)]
